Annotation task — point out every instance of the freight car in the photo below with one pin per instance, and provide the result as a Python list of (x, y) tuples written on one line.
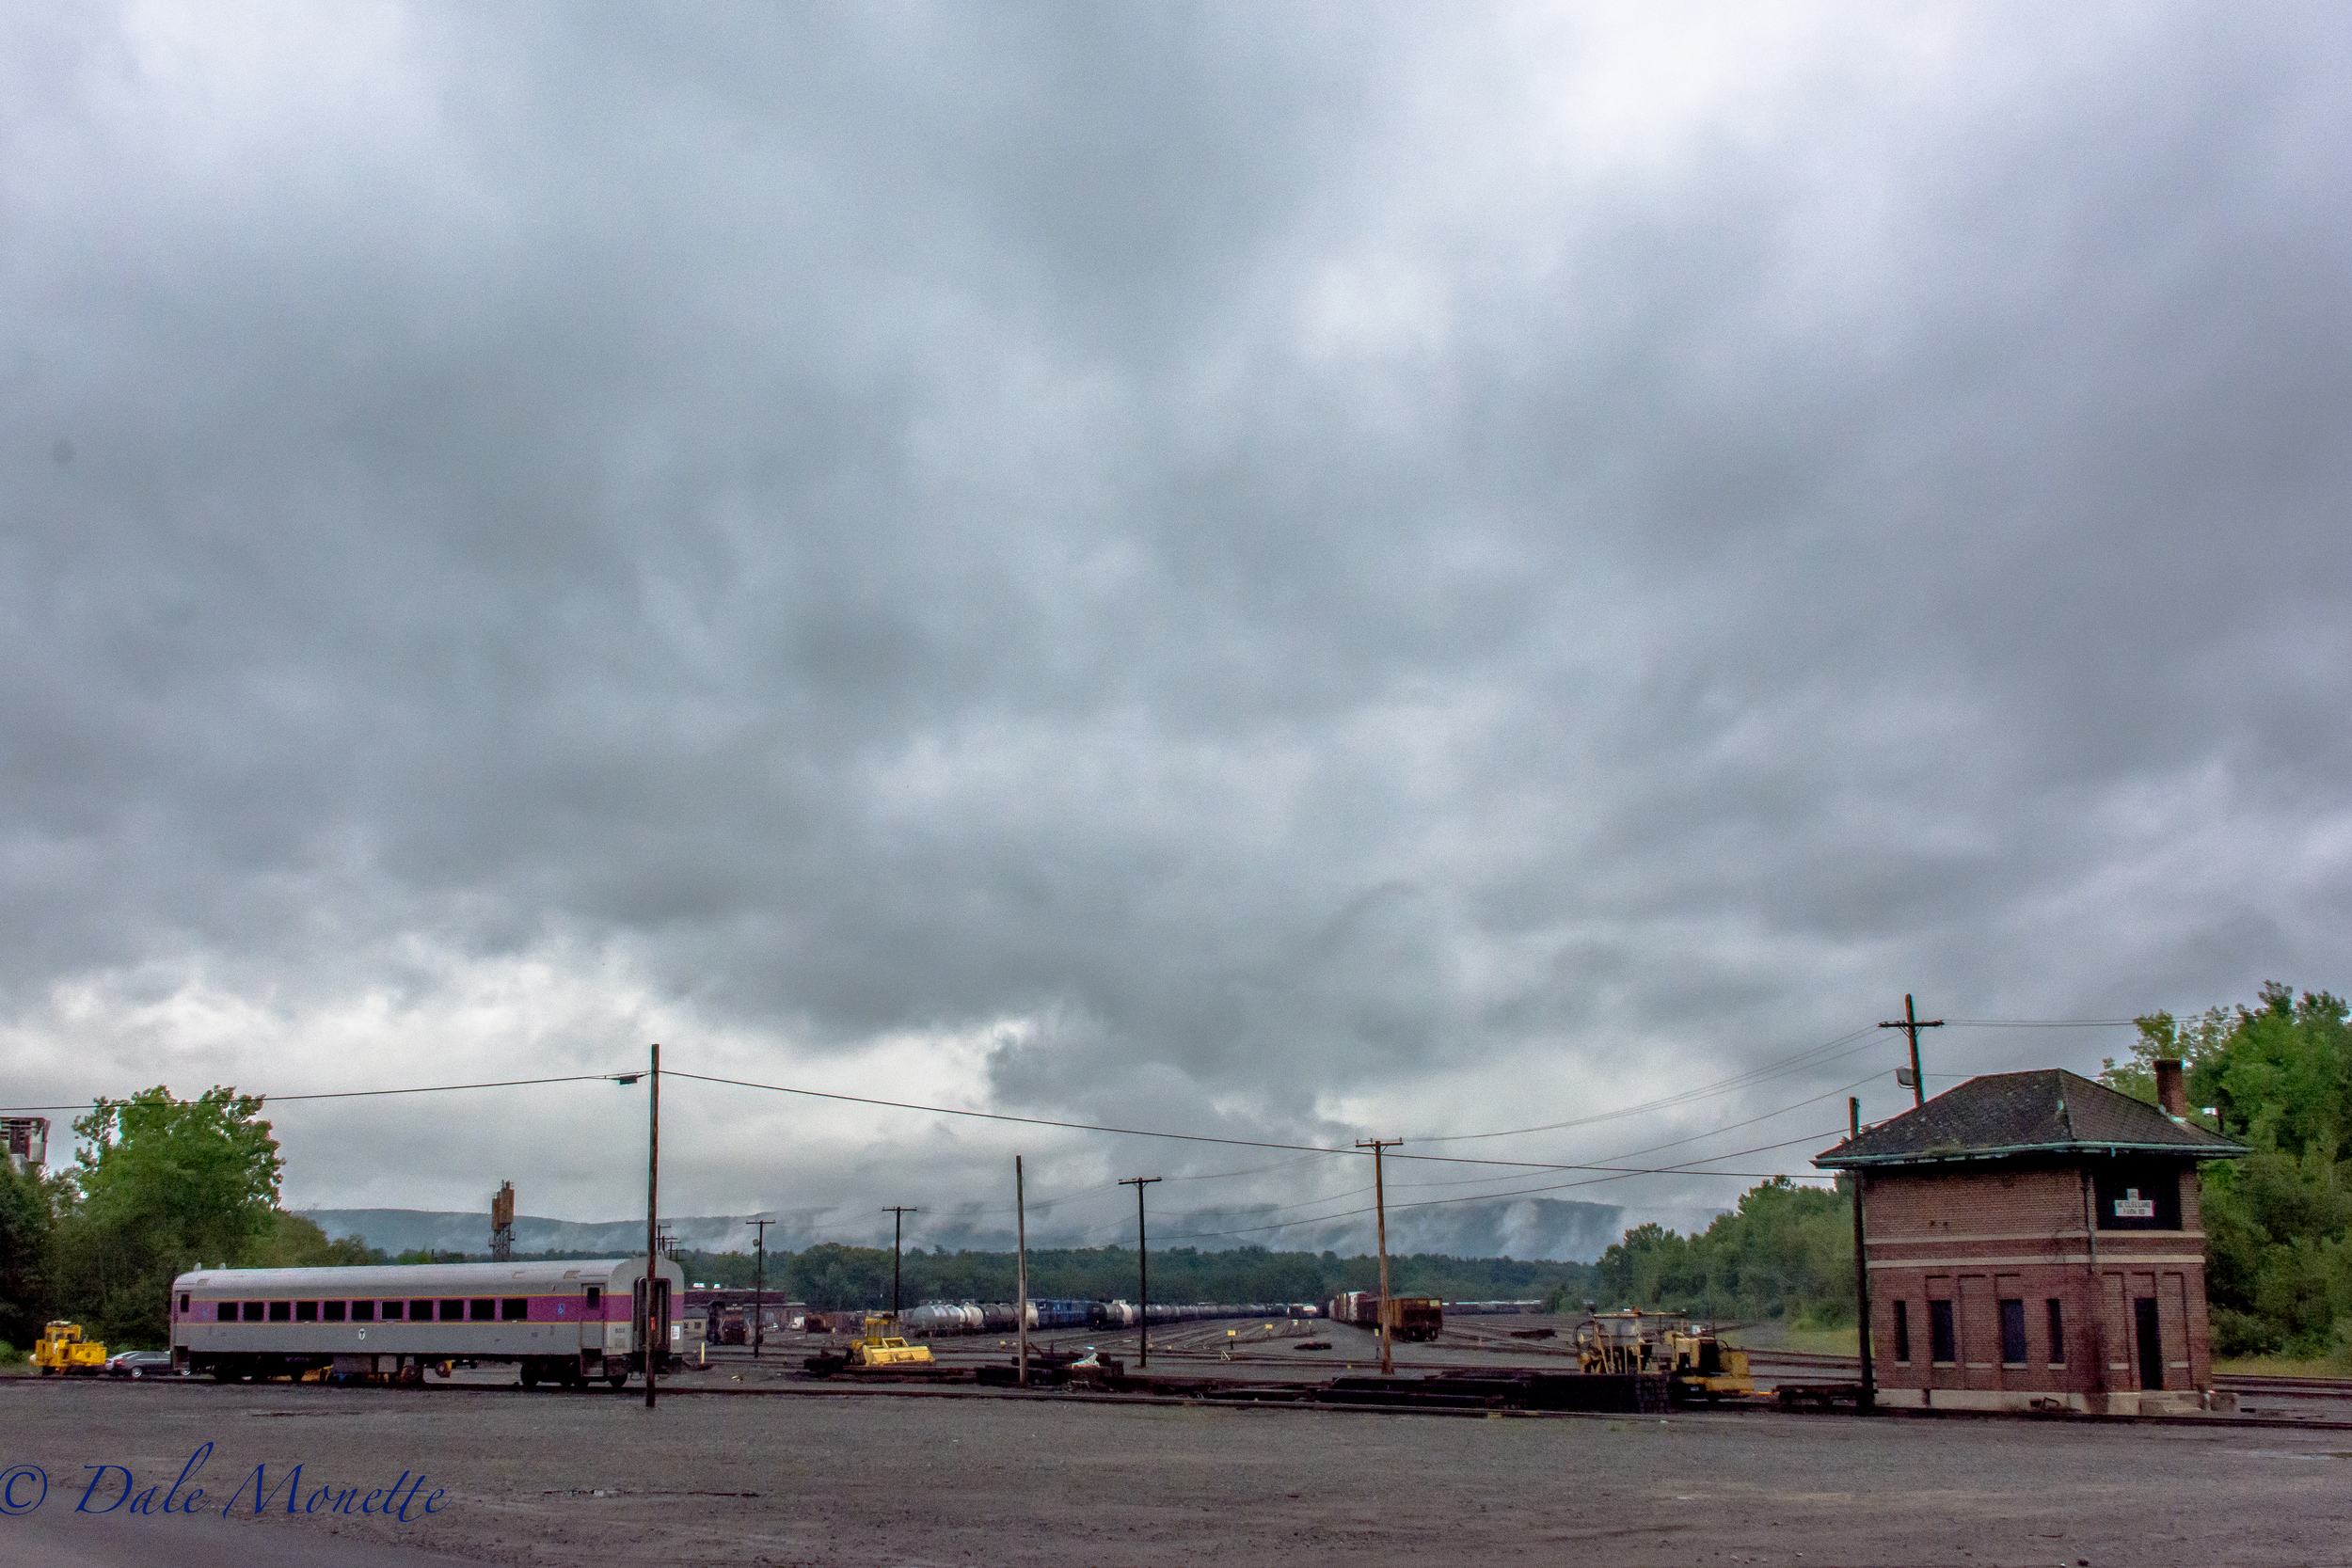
[(565, 1322), (1410, 1318)]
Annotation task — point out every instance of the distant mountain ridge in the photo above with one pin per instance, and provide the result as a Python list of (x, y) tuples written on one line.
[(1546, 1230)]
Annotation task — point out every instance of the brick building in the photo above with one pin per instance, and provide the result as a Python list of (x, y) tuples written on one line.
[(2033, 1242)]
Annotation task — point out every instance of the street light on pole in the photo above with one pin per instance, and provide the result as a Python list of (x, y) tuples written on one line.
[(647, 1320)]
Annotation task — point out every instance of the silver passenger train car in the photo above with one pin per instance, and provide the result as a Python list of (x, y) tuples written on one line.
[(566, 1321)]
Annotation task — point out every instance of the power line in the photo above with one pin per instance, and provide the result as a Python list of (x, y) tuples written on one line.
[(1687, 1168), (1810, 1056), (2042, 1022), (366, 1094)]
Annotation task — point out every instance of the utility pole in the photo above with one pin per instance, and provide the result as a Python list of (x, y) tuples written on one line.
[(897, 1230), (1021, 1227), (1911, 1023), (653, 1226), (759, 1287), (1861, 1268), (1380, 1207), (1143, 1266)]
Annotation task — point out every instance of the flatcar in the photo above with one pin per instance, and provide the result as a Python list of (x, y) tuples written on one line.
[(567, 1322)]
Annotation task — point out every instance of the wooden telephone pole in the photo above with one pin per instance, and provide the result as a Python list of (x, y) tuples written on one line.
[(1911, 1023), (1861, 1268), (1380, 1207), (1021, 1273), (759, 1287), (897, 1231), (1143, 1278)]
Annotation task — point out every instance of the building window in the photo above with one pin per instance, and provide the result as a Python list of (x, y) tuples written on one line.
[(305, 1311), (485, 1310), (363, 1311), (514, 1309), (2012, 1333), (2057, 1332), (452, 1311), (1902, 1331), (1943, 1344), (334, 1312), (253, 1311)]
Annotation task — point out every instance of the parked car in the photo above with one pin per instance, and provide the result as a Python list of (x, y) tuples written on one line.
[(140, 1362)]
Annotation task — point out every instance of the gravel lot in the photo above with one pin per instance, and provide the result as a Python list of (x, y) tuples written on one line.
[(872, 1477)]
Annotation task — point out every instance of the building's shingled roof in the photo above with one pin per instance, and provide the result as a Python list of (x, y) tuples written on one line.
[(2004, 1115)]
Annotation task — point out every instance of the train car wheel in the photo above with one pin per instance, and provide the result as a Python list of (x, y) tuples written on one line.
[(618, 1380)]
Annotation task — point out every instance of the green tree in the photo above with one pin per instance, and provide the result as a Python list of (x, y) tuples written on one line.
[(2278, 1077), (293, 1242), (160, 1185), (1784, 1252), (27, 1218)]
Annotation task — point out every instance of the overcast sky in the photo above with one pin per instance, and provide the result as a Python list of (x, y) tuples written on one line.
[(1287, 572)]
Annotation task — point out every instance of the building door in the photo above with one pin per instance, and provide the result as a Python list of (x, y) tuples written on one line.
[(2148, 1332)]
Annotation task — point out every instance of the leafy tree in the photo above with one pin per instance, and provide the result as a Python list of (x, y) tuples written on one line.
[(161, 1185), (2278, 1222), (293, 1242), (27, 1218), (1784, 1252)]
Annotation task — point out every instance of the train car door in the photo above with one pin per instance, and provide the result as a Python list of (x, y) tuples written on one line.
[(592, 1319)]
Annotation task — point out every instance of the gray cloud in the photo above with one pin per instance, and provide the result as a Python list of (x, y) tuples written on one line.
[(1292, 572)]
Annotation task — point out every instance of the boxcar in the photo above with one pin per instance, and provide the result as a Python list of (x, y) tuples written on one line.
[(561, 1322)]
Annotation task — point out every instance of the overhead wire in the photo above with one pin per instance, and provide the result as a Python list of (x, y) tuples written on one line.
[(1810, 1056)]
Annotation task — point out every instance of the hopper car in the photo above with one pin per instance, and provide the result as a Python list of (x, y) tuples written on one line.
[(568, 1321)]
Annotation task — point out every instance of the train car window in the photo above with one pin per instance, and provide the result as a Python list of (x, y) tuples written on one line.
[(183, 1301), (420, 1312), (331, 1312), (306, 1311), (253, 1312), (363, 1311), (485, 1310), (280, 1312), (452, 1311), (514, 1309), (596, 1297)]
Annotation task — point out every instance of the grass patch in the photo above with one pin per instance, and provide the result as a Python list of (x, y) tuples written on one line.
[(2279, 1365), (1818, 1341)]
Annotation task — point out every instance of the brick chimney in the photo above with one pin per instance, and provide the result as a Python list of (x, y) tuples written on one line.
[(2172, 1094)]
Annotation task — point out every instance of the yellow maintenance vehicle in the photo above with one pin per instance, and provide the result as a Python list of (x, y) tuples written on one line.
[(62, 1350), (880, 1349), (1699, 1364)]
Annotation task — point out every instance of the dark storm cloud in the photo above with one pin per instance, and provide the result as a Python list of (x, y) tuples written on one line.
[(1313, 569)]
